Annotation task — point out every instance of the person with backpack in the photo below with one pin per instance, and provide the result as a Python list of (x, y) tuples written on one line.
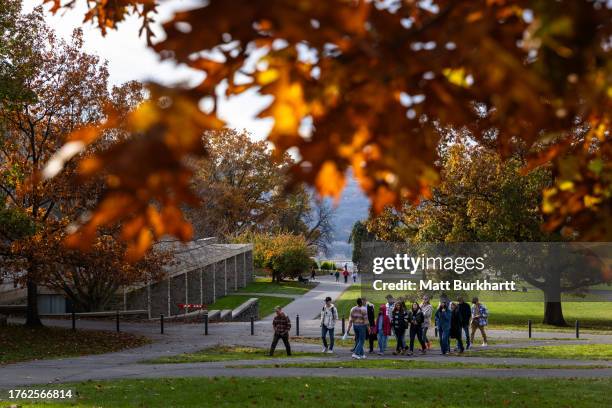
[(466, 314), (382, 329), (329, 315), (443, 323), (427, 310), (281, 325), (480, 316), (399, 322), (359, 321), (371, 324), (456, 326), (415, 319)]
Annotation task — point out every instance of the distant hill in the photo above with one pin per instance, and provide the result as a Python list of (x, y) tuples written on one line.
[(353, 206)]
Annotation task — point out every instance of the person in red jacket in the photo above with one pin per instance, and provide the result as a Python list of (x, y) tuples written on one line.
[(382, 329)]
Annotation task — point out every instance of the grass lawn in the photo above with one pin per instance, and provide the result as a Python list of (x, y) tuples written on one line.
[(265, 285), (405, 363), (347, 300), (569, 351), (266, 303), (228, 353), (593, 316), (342, 392), (19, 343)]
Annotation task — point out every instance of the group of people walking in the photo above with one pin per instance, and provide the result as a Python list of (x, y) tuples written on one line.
[(407, 324), (452, 321)]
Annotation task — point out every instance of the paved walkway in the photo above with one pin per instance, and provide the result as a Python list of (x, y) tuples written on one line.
[(309, 305), (184, 338)]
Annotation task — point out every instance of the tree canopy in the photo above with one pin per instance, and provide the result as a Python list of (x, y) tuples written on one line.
[(378, 82)]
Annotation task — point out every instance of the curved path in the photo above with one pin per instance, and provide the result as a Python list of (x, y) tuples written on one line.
[(184, 338)]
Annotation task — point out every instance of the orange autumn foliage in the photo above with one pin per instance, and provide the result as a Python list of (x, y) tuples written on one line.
[(381, 82)]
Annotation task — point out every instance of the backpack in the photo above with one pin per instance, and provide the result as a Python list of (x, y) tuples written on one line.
[(484, 314)]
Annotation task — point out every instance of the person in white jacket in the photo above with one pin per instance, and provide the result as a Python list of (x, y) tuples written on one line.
[(427, 310), (329, 315)]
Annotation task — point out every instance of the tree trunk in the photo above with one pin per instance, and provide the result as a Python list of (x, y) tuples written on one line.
[(553, 314), (32, 318)]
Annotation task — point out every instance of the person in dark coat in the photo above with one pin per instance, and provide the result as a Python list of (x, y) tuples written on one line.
[(399, 322), (371, 324), (466, 313), (415, 319), (443, 323), (456, 326)]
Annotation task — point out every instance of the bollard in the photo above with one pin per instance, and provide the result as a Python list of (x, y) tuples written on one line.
[(161, 323), (577, 329), (206, 324), (252, 326), (297, 325), (343, 327), (73, 320), (436, 332), (117, 321), (529, 327)]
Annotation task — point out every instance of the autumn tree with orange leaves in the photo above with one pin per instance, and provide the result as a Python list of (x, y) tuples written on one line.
[(377, 80), (67, 89)]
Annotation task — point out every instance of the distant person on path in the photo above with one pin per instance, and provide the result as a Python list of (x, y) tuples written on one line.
[(382, 329), (427, 310), (354, 276), (466, 314), (399, 322), (337, 275), (415, 319), (456, 326), (329, 315), (281, 325), (313, 273), (345, 273), (358, 320), (480, 316), (443, 322), (371, 324)]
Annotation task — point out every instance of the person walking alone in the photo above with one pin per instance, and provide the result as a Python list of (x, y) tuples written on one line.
[(443, 322), (466, 313), (480, 316), (329, 315), (427, 310), (415, 319), (337, 275), (358, 320), (281, 325)]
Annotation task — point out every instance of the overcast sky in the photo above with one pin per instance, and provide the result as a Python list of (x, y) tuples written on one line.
[(129, 58)]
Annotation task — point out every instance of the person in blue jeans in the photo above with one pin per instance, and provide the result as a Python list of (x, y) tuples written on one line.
[(329, 315), (359, 321), (443, 323)]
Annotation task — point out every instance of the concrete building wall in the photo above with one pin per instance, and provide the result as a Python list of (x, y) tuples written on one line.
[(194, 294), (203, 284), (208, 284)]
